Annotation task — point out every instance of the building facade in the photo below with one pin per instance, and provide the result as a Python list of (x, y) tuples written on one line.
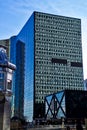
[(6, 43), (48, 55), (17, 57), (66, 104)]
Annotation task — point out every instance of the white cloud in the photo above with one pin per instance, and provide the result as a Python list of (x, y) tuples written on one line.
[(16, 12)]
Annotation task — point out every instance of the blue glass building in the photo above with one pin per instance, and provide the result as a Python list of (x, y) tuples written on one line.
[(22, 54), (48, 55)]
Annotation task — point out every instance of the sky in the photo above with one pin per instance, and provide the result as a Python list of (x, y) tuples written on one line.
[(15, 13)]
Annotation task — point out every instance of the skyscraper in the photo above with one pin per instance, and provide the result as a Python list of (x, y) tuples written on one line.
[(49, 49)]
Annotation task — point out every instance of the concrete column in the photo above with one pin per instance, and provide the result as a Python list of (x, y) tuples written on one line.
[(5, 112)]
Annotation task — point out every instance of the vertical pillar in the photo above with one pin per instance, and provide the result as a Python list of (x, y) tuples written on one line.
[(62, 122), (4, 113), (86, 123), (1, 113)]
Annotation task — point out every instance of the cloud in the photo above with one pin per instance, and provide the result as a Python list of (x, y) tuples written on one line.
[(16, 13), (65, 7), (27, 6)]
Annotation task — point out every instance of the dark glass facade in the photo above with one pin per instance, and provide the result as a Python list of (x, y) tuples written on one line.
[(18, 57), (66, 104), (20, 61), (52, 59)]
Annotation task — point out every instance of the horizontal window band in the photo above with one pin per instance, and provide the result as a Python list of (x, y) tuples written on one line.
[(60, 61), (76, 64), (64, 61)]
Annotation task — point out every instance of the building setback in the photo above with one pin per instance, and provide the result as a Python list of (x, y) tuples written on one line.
[(48, 55)]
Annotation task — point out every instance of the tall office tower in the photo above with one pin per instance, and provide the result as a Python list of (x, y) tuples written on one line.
[(48, 55)]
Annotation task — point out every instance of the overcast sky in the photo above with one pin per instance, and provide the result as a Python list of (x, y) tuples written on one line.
[(15, 13)]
